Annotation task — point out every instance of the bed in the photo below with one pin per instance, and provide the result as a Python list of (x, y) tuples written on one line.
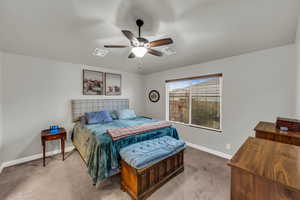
[(96, 147)]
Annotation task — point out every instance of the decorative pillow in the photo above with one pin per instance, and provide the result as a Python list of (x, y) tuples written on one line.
[(98, 117), (113, 114), (83, 120), (126, 114)]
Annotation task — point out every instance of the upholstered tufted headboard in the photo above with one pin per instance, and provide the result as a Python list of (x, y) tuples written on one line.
[(81, 106)]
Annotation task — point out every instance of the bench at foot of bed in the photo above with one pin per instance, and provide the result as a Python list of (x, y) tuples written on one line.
[(148, 165)]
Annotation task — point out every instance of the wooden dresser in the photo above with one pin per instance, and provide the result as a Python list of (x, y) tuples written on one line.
[(268, 130), (265, 170)]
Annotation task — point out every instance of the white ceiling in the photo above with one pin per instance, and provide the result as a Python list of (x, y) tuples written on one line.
[(203, 30)]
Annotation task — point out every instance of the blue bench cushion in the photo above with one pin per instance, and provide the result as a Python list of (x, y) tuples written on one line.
[(143, 154)]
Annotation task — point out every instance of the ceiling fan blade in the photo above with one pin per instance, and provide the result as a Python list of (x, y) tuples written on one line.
[(161, 42), (115, 46), (131, 37), (155, 52), (131, 55)]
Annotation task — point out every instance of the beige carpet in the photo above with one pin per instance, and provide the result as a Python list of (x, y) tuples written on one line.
[(206, 177)]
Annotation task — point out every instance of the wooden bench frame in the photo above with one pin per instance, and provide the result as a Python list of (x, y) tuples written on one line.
[(141, 183)]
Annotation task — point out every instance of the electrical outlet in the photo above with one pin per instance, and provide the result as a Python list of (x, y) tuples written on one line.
[(228, 146)]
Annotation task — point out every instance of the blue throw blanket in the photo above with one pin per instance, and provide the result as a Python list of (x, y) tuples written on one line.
[(104, 156)]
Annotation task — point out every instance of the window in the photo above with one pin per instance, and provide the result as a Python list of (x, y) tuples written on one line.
[(195, 101)]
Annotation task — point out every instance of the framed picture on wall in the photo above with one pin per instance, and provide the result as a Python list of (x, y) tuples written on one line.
[(112, 84), (93, 82)]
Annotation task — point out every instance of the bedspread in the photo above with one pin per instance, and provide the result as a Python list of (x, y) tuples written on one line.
[(102, 157)]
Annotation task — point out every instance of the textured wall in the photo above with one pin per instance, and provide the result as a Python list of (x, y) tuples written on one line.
[(298, 70), (1, 110), (256, 86), (37, 93)]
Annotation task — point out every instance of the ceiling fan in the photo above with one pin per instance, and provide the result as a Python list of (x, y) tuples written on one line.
[(140, 45)]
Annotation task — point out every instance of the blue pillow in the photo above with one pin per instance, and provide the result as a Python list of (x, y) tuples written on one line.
[(98, 117), (126, 114)]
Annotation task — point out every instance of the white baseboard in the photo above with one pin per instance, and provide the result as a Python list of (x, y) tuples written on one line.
[(33, 157), (211, 151), (70, 148)]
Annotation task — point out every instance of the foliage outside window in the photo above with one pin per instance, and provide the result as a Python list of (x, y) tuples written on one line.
[(196, 101)]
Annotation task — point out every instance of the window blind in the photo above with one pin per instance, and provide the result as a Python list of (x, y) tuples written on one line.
[(196, 101)]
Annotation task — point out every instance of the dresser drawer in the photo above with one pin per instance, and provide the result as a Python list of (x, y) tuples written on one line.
[(54, 137), (264, 135), (268, 131)]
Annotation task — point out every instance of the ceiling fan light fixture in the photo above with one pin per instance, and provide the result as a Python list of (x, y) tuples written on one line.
[(141, 46), (139, 51)]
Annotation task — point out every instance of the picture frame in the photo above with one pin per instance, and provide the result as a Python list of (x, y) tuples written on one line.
[(93, 82), (113, 84)]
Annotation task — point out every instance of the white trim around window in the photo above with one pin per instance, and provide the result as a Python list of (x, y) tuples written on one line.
[(220, 76)]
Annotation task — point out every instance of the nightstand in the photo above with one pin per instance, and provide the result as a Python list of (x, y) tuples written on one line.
[(46, 135)]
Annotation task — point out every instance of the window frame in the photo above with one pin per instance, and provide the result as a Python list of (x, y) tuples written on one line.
[(220, 76)]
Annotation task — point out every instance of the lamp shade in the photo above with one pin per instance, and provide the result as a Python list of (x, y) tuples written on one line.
[(139, 51)]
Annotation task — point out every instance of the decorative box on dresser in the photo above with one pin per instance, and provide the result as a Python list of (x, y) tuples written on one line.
[(268, 130), (265, 170)]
